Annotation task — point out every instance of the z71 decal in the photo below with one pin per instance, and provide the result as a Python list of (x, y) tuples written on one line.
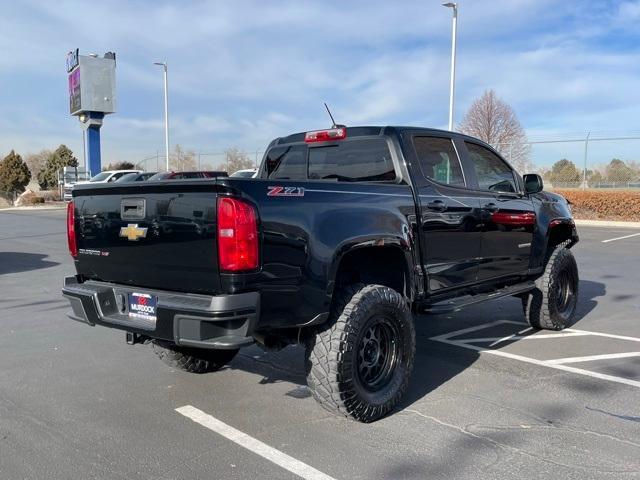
[(280, 191)]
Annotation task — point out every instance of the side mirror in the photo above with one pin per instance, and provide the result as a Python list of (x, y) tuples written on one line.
[(532, 183)]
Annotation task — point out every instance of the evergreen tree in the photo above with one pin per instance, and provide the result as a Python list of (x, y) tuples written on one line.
[(565, 173), (14, 174), (62, 157), (618, 171), (120, 166)]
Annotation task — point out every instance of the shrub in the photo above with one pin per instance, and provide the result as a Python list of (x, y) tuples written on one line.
[(50, 195), (29, 198), (604, 204)]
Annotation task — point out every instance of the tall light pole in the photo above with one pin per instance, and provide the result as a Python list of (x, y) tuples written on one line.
[(166, 110), (452, 85)]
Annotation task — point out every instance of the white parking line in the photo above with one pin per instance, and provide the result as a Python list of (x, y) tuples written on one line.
[(509, 337), (557, 364), (256, 446), (600, 334), (620, 238), (497, 340), (591, 358)]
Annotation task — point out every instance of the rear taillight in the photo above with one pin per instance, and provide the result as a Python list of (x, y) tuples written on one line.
[(237, 235), (71, 230)]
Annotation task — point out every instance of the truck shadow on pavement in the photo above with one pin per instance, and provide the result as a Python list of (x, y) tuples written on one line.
[(587, 298), (17, 262), (435, 362)]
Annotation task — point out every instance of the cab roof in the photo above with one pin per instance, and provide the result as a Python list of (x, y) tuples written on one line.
[(372, 130)]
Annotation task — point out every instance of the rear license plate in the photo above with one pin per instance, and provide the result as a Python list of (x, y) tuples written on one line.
[(143, 305)]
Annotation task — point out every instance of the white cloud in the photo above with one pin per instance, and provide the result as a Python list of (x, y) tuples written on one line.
[(629, 12), (243, 72)]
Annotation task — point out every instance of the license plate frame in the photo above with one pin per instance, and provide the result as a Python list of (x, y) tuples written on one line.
[(142, 306)]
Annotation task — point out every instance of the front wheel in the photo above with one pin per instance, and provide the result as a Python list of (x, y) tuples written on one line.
[(359, 365), (552, 304)]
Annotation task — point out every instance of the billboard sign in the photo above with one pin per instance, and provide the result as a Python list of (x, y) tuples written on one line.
[(74, 91), (92, 83), (72, 59)]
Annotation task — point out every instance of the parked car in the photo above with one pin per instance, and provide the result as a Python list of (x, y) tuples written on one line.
[(185, 175), (109, 176), (247, 173), (344, 235), (135, 177)]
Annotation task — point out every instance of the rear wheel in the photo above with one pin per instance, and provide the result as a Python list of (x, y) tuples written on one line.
[(359, 365), (552, 304), (193, 360)]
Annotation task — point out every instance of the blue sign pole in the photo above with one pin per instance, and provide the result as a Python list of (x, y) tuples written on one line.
[(93, 142)]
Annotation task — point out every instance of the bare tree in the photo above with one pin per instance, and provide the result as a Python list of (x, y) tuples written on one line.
[(493, 121), (182, 160), (36, 161), (235, 160)]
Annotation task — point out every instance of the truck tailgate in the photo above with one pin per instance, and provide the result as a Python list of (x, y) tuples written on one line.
[(155, 235)]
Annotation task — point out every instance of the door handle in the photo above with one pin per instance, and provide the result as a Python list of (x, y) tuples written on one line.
[(491, 207), (437, 205)]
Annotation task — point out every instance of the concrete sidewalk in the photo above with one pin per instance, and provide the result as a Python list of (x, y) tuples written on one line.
[(606, 223)]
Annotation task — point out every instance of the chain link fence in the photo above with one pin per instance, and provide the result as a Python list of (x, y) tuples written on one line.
[(588, 160), (592, 160), (199, 160)]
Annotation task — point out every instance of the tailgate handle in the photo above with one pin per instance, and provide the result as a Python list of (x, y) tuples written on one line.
[(132, 209)]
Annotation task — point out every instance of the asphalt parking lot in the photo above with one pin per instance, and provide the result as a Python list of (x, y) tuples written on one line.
[(489, 398)]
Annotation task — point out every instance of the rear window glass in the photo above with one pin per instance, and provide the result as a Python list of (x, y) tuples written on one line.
[(99, 177), (189, 175), (287, 163), (352, 161), (438, 160), (159, 176)]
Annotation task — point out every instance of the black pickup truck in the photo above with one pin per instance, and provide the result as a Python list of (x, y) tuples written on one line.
[(345, 235)]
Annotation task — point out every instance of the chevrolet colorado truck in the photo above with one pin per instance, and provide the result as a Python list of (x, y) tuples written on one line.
[(344, 237)]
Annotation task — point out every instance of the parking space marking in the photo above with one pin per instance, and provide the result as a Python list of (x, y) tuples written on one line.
[(254, 445), (591, 358), (509, 337), (600, 334), (567, 333), (497, 340), (620, 238)]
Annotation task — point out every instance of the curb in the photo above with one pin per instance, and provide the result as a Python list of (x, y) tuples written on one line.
[(56, 207), (606, 223)]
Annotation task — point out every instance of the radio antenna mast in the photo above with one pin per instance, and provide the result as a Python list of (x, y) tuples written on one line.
[(331, 116)]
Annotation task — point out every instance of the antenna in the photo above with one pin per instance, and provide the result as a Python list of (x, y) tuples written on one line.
[(329, 112)]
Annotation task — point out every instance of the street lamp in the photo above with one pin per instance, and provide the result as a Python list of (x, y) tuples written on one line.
[(166, 111), (454, 29)]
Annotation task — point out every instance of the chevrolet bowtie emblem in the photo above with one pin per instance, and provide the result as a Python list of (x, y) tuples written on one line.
[(132, 232)]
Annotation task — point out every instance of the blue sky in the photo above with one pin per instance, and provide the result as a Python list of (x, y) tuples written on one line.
[(243, 72)]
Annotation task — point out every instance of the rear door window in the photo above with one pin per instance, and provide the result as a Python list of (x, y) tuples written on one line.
[(287, 163), (366, 160), (439, 160)]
